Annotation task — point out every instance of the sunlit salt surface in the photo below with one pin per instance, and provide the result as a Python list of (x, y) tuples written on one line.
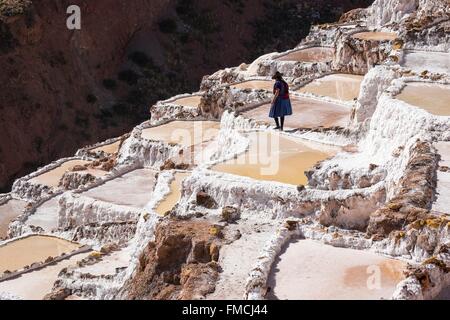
[(307, 113), (175, 194), (185, 133), (376, 36), (111, 148), (255, 84), (441, 204), (133, 189), (191, 101), (308, 270), (276, 157), (24, 252), (35, 285), (8, 212), (315, 54), (432, 97), (53, 177), (46, 215), (437, 62), (345, 87)]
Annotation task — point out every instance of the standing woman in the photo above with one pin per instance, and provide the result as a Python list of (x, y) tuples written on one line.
[(281, 104)]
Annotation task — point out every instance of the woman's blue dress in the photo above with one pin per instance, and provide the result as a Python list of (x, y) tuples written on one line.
[(282, 106)]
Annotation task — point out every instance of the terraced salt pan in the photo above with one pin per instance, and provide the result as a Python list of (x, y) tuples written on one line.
[(17, 254), (185, 133), (307, 113), (375, 36), (133, 189), (46, 215), (191, 101), (111, 148), (8, 212), (276, 157), (175, 194), (255, 85), (315, 54), (53, 177), (110, 263), (35, 285), (238, 258), (344, 87), (432, 97), (442, 201), (436, 62), (308, 270)]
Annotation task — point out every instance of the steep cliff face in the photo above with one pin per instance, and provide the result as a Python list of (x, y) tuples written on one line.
[(63, 89), (52, 97)]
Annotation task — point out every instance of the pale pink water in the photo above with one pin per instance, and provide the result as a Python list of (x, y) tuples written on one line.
[(376, 36), (315, 54), (255, 84), (307, 113), (185, 133), (432, 97), (345, 87), (310, 270)]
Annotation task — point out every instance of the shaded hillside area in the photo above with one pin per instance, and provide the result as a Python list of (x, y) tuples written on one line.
[(64, 89)]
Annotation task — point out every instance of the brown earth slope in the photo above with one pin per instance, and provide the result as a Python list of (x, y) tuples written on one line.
[(63, 89)]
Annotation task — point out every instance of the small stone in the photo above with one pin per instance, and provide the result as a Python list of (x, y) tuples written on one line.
[(214, 252), (372, 167), (79, 168), (168, 165), (301, 188), (291, 225), (49, 259), (230, 214), (216, 231), (395, 206), (205, 200), (58, 294)]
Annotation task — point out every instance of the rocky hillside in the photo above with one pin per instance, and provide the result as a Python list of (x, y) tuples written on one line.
[(63, 89)]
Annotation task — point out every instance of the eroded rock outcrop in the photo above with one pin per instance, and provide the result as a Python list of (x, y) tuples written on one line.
[(416, 193), (180, 264)]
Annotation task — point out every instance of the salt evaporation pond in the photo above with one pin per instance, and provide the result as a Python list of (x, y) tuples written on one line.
[(307, 113), (308, 270), (175, 194), (255, 85), (17, 254), (8, 212), (53, 177), (46, 215), (375, 36), (132, 189), (315, 54), (35, 285), (344, 87), (185, 133), (432, 97), (191, 101), (436, 62), (111, 148), (275, 157)]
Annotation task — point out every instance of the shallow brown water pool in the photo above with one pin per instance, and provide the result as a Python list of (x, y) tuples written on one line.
[(433, 98), (276, 157)]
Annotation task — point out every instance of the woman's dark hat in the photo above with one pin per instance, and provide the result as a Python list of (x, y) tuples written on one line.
[(277, 75)]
